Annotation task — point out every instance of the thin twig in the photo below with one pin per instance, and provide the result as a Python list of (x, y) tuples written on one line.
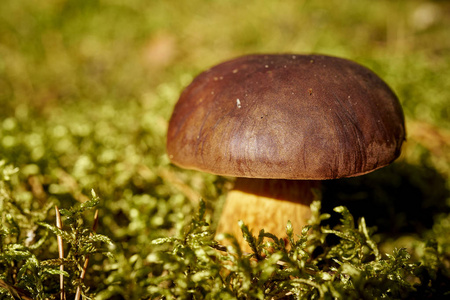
[(86, 261), (61, 254)]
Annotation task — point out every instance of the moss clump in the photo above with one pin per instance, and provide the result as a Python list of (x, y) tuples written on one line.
[(29, 262), (320, 263), (86, 90)]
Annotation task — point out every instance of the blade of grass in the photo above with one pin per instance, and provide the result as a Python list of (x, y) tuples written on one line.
[(61, 253)]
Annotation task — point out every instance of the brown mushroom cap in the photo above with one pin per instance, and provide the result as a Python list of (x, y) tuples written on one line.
[(286, 116)]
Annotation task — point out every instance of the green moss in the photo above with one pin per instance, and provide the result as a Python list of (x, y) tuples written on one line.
[(86, 91)]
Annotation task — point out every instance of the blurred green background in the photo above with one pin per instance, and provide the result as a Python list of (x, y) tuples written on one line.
[(87, 88)]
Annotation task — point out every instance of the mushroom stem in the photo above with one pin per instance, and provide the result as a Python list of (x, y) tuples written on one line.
[(267, 204)]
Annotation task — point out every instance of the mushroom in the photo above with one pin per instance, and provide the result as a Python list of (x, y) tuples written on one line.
[(281, 124)]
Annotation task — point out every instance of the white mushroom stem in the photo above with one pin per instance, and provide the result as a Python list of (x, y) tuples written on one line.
[(267, 204)]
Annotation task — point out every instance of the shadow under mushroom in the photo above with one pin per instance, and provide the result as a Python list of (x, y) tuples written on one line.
[(399, 199)]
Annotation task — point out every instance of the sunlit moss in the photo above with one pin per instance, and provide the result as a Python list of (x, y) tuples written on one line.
[(86, 94)]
